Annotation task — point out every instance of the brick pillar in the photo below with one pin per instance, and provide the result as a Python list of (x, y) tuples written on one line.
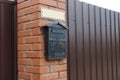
[(32, 64)]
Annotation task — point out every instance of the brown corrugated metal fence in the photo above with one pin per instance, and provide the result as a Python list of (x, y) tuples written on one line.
[(8, 61), (94, 37)]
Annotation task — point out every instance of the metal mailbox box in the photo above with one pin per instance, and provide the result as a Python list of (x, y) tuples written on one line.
[(55, 41)]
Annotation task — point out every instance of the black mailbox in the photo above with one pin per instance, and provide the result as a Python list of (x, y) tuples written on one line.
[(55, 41)]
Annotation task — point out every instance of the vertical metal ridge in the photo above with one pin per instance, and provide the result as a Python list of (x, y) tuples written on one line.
[(89, 42), (15, 43), (106, 42), (111, 42), (0, 46), (98, 45), (119, 46), (95, 43), (76, 37), (79, 40), (115, 43), (101, 54), (93, 56), (104, 55), (71, 24), (101, 43), (86, 44), (83, 42), (68, 54)]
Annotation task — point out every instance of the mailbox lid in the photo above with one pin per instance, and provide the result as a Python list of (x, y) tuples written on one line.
[(55, 24)]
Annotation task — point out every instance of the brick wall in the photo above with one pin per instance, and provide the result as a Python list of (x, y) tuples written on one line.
[(31, 60)]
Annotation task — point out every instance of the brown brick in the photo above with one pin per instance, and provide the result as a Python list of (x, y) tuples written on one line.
[(32, 24), (36, 77), (51, 76), (43, 62), (35, 15), (25, 76), (34, 39), (19, 1), (25, 47), (64, 61), (36, 23), (24, 18), (38, 39), (24, 4), (24, 61), (28, 40), (20, 40), (34, 54), (33, 2), (29, 69), (49, 2), (44, 69), (32, 9), (20, 27), (41, 70), (24, 33), (37, 31), (20, 54), (38, 46), (42, 22), (21, 68), (63, 74), (62, 0), (61, 5), (20, 13), (55, 68), (37, 70), (63, 79)]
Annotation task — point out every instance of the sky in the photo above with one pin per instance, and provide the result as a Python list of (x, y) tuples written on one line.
[(109, 4)]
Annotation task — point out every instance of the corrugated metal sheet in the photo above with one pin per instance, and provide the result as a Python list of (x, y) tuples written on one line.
[(8, 61), (93, 42)]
